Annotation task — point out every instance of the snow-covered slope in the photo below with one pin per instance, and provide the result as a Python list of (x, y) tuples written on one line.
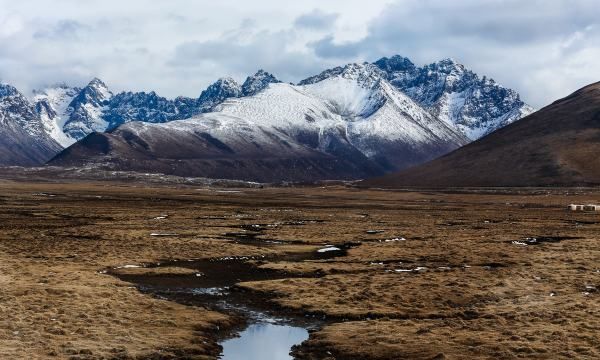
[(476, 106), (353, 110), (371, 107), (52, 104)]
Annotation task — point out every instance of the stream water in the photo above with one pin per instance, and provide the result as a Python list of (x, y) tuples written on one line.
[(264, 341)]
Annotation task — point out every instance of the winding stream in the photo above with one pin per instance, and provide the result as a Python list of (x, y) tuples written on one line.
[(267, 333)]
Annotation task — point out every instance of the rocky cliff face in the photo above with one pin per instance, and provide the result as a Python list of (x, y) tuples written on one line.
[(218, 92), (258, 82), (23, 138), (475, 105)]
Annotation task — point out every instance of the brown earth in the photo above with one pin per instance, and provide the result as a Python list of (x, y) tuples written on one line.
[(443, 280)]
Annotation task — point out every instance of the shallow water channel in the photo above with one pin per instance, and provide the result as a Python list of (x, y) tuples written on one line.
[(267, 333)]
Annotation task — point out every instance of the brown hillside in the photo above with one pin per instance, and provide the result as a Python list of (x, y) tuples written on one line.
[(556, 146)]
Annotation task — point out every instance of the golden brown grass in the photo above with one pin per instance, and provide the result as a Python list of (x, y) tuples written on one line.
[(480, 296)]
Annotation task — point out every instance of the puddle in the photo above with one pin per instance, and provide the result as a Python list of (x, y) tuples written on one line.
[(264, 341), (373, 232), (543, 239)]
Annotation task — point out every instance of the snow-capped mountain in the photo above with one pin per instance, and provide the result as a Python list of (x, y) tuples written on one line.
[(476, 106), (350, 123), (23, 136), (555, 146), (70, 114), (370, 118)]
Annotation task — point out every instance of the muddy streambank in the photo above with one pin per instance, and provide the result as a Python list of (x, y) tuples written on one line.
[(211, 283)]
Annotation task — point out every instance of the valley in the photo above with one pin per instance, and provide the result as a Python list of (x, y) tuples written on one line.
[(324, 180), (424, 274)]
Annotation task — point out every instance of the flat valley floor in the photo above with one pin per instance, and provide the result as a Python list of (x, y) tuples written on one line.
[(496, 273)]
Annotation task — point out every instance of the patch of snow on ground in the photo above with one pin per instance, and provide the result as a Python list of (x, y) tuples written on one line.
[(128, 267), (327, 249)]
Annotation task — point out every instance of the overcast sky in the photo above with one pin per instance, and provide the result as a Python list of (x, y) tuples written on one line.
[(544, 49)]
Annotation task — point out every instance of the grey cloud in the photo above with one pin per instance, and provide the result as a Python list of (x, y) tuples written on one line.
[(417, 25), (235, 56), (326, 48), (544, 49), (515, 42), (63, 29), (316, 20)]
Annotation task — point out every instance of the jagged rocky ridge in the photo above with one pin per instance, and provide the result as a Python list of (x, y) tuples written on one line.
[(475, 105), (71, 114)]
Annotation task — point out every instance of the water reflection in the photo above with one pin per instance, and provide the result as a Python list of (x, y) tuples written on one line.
[(263, 341)]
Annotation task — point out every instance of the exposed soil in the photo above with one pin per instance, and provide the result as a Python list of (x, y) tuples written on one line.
[(439, 276)]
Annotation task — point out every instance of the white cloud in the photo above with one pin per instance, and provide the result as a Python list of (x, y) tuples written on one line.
[(139, 44), (543, 49), (10, 25)]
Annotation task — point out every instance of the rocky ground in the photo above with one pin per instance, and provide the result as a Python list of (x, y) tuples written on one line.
[(447, 274)]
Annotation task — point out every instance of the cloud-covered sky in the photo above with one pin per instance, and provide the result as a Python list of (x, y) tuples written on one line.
[(544, 49)]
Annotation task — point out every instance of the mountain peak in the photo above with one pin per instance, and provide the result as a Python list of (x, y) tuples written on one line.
[(449, 65), (395, 63), (222, 89), (23, 140), (226, 85), (96, 91), (258, 82), (448, 60), (364, 73), (96, 82), (227, 80), (8, 90)]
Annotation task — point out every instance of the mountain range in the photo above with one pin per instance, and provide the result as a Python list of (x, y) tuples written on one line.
[(555, 146), (354, 121)]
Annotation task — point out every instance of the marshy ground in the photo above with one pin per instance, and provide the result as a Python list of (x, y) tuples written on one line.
[(445, 274)]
